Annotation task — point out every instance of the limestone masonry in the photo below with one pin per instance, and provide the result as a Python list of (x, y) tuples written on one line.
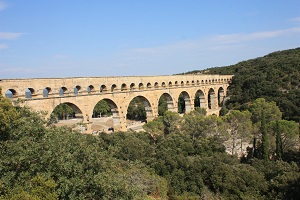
[(83, 93)]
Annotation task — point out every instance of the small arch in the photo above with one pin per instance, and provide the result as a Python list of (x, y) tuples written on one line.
[(206, 82), (202, 81), (193, 82), (77, 88), (156, 85), (149, 85), (46, 91), (163, 84), (187, 83), (141, 86), (29, 92), (176, 83), (113, 88), (198, 82), (103, 89), (170, 84), (182, 83), (90, 89), (132, 86), (10, 93), (123, 87), (62, 91)]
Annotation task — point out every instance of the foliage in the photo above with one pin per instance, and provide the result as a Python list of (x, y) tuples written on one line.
[(162, 105), (184, 160), (101, 108), (63, 111), (274, 77), (136, 109)]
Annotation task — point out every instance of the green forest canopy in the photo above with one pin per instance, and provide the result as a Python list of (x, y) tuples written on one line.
[(275, 77)]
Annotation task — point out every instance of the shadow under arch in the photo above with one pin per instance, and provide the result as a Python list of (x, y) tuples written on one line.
[(199, 100), (165, 103), (139, 108), (221, 96), (65, 111), (211, 99), (112, 110), (184, 102)]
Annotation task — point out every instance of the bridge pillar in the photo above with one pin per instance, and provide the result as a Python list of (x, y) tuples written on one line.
[(170, 106)]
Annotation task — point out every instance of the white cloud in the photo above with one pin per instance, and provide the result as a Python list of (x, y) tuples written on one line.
[(9, 35), (3, 5)]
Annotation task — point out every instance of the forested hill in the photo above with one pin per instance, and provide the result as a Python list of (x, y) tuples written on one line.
[(275, 77)]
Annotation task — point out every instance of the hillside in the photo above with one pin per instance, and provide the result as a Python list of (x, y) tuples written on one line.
[(275, 77)]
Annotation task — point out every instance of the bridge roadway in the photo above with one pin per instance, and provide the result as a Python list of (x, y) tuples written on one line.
[(83, 93)]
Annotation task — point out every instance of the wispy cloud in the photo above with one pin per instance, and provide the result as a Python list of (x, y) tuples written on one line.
[(9, 35), (296, 19), (3, 5), (3, 46)]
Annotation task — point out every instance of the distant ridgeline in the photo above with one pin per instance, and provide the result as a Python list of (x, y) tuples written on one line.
[(275, 77)]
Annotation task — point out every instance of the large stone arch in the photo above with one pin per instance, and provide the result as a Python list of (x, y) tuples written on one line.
[(114, 111), (200, 100), (187, 102), (221, 96), (147, 104), (77, 112), (212, 99), (169, 100)]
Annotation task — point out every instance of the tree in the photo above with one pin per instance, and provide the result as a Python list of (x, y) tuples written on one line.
[(279, 150), (181, 104), (271, 111), (264, 138), (136, 109), (101, 108), (239, 125), (171, 122), (63, 111), (162, 105)]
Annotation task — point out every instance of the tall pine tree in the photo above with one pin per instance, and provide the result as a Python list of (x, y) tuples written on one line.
[(264, 139), (279, 150)]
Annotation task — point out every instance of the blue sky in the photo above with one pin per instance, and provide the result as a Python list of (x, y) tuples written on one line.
[(74, 38)]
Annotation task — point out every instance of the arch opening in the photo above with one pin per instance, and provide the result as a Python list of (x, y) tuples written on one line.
[(62, 91), (77, 88), (65, 111), (149, 86), (46, 91), (184, 103), (90, 89), (103, 89), (170, 84), (10, 93), (139, 109), (211, 99), (156, 85), (123, 87), (105, 116), (29, 92), (165, 103), (113, 88), (132, 86), (199, 100), (221, 96), (141, 86)]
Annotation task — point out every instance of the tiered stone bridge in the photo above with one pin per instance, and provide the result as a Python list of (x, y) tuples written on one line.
[(82, 94)]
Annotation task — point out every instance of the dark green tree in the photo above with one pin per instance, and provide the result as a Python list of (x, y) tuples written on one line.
[(101, 108), (63, 111), (264, 138), (162, 105), (279, 150)]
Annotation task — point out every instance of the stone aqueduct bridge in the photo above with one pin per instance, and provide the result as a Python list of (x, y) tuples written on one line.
[(82, 94)]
